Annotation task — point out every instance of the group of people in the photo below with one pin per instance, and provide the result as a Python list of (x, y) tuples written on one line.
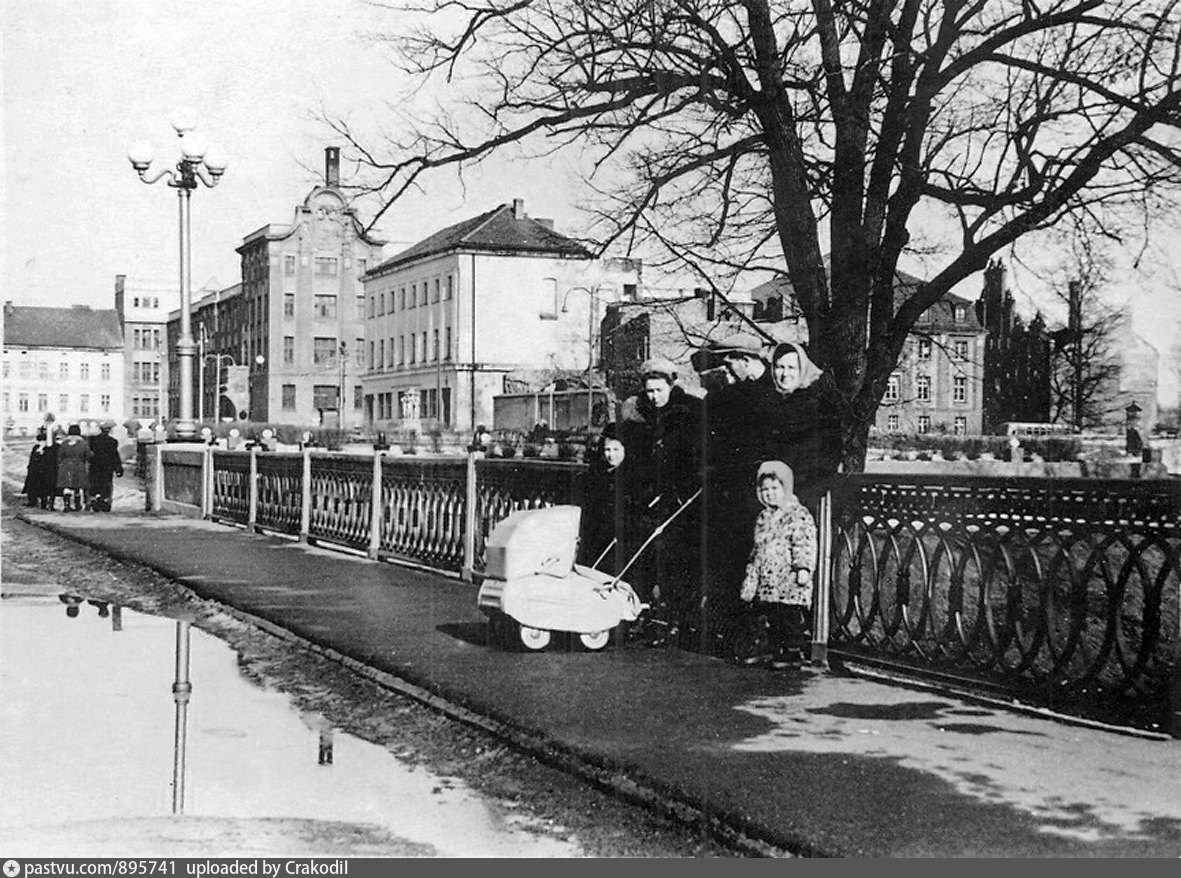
[(706, 504), (78, 469)]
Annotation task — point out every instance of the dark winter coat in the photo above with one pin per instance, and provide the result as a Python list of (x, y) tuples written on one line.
[(803, 429), (41, 476), (105, 463), (73, 454)]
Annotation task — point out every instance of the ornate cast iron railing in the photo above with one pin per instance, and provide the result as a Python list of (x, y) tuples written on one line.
[(422, 511), (340, 499), (231, 486), (1060, 592), (505, 486), (280, 492)]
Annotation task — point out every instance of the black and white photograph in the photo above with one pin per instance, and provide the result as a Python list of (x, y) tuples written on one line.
[(566, 429)]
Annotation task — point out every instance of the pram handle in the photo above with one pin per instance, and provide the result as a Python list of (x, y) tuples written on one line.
[(659, 530)]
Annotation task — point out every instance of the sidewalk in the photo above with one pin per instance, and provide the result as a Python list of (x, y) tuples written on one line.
[(800, 761)]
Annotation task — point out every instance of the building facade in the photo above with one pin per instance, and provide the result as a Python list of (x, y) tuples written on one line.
[(142, 308), (61, 362), (292, 330), (447, 319)]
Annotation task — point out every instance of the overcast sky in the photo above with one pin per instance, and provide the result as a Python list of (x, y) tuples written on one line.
[(83, 80)]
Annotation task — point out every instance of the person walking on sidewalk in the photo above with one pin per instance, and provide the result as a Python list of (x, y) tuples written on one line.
[(105, 464), (73, 455), (41, 476), (778, 581)]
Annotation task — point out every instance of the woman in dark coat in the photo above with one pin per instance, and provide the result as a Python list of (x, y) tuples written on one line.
[(604, 506), (801, 423), (661, 429), (41, 477), (73, 454)]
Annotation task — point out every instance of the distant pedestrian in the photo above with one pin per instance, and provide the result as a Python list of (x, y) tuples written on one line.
[(41, 477), (778, 581), (105, 464), (73, 455)]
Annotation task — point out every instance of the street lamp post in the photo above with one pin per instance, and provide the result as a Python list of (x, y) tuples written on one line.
[(196, 163), (592, 311)]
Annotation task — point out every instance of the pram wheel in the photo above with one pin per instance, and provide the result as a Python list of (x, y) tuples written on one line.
[(534, 638), (595, 640)]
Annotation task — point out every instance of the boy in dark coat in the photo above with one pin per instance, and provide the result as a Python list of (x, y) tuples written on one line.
[(105, 464)]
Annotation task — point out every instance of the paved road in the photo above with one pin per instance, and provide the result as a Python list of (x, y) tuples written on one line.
[(793, 761)]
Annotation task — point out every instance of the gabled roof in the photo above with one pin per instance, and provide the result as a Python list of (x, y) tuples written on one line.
[(504, 229), (77, 327)]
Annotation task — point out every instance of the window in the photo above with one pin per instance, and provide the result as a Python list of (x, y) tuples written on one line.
[(435, 345), (22, 402), (924, 423), (43, 371), (359, 352), (892, 423), (959, 313), (450, 287), (84, 371), (358, 397), (360, 308), (435, 291), (324, 351), (7, 402), (63, 370), (325, 396), (42, 402), (288, 397), (6, 368), (413, 349), (413, 300), (289, 304), (324, 306), (423, 300), (84, 402), (381, 353), (424, 348), (893, 389), (289, 350), (924, 348), (105, 371), (960, 425), (959, 389), (104, 402), (372, 306), (289, 265), (923, 385), (447, 349), (959, 350), (402, 299), (326, 266), (371, 346), (362, 266), (63, 402)]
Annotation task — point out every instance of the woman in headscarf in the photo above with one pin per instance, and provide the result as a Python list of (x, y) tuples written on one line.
[(802, 424)]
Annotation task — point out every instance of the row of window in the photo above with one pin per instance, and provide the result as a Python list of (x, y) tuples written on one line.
[(959, 424), (323, 306), (41, 370), (959, 350), (922, 389), (410, 349), (145, 301), (324, 351), (25, 401), (324, 396), (145, 407), (322, 266), (416, 294), (413, 404), (145, 338)]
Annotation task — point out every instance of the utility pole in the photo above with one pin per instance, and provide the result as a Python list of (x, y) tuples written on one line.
[(1075, 327), (341, 402)]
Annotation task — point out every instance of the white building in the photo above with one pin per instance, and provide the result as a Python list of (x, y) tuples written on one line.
[(449, 317), (143, 307), (67, 362)]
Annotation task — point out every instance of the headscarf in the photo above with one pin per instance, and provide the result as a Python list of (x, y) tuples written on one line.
[(779, 470), (809, 372)]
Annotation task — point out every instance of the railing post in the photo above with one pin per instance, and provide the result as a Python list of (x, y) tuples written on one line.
[(158, 481), (252, 515), (1174, 706), (375, 507), (207, 483), (821, 610), (469, 520), (305, 497)]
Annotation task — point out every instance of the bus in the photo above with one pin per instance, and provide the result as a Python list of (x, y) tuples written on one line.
[(1032, 429)]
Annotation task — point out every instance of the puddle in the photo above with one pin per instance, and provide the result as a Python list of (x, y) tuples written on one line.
[(90, 730)]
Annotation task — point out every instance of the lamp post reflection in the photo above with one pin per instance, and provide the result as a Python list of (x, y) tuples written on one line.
[(181, 690)]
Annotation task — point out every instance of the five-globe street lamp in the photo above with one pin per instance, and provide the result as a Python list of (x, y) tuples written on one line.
[(197, 163)]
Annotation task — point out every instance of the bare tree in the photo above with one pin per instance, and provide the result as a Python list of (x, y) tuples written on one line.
[(764, 133)]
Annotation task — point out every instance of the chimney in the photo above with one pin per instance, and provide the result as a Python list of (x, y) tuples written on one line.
[(332, 166), (518, 208), (8, 309)]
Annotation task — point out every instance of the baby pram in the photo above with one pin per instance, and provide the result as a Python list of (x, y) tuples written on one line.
[(532, 586)]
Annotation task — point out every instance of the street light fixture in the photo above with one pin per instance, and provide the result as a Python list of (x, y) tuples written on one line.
[(592, 312), (197, 163)]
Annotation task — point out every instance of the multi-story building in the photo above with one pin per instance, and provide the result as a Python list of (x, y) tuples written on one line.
[(143, 319), (294, 326), (64, 362), (448, 318)]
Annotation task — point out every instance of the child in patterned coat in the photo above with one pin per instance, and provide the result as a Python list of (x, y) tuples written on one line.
[(778, 581)]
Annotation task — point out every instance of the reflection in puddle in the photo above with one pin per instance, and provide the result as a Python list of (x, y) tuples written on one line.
[(92, 733)]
